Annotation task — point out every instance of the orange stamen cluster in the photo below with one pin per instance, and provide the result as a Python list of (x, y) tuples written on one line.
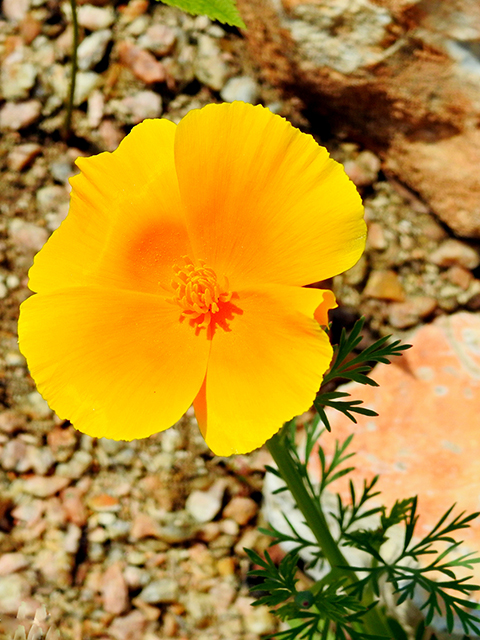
[(198, 293)]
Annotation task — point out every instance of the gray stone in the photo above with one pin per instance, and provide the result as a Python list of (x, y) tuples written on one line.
[(13, 589), (95, 18), (87, 81), (163, 590), (28, 236), (159, 38), (51, 198), (17, 76), (454, 252), (242, 88), (209, 66), (204, 505), (92, 49), (76, 466), (137, 107)]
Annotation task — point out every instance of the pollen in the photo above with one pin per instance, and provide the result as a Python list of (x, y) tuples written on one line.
[(199, 293)]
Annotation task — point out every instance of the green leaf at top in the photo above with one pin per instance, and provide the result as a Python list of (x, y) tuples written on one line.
[(222, 10)]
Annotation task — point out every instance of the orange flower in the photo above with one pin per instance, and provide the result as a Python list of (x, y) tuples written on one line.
[(178, 276)]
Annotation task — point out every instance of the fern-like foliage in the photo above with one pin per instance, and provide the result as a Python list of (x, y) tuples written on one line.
[(314, 614), (354, 369)]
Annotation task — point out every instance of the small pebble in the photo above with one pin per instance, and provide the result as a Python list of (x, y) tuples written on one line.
[(43, 487), (454, 252), (17, 76), (144, 526), (27, 235), (376, 237), (384, 285), (13, 589), (163, 590), (87, 81), (92, 49), (142, 63), (15, 10), (459, 276), (12, 562), (128, 627), (406, 314), (114, 590), (22, 156), (96, 105), (204, 505), (19, 115), (210, 69), (135, 108), (76, 467), (242, 88), (95, 18), (159, 39), (363, 170), (11, 421), (241, 509), (104, 502)]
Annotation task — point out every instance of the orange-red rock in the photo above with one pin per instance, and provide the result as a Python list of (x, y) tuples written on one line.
[(426, 439)]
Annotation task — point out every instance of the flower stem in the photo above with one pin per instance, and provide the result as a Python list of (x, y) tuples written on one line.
[(311, 509), (67, 129)]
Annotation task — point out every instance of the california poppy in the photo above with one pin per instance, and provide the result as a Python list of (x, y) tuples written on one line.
[(178, 276)]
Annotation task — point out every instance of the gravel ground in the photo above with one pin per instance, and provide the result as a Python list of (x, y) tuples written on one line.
[(144, 540)]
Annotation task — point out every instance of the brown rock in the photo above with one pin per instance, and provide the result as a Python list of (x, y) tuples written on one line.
[(445, 175), (62, 442), (376, 236), (23, 155), (134, 9), (241, 509), (384, 285), (11, 562), (142, 63), (15, 10), (104, 502), (30, 28), (11, 421), (18, 115), (110, 135), (42, 487), (376, 79), (129, 627), (453, 252), (406, 314), (144, 526), (363, 170), (74, 506), (459, 276), (114, 590)]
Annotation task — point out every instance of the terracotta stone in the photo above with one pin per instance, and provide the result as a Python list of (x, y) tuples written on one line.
[(142, 63), (426, 439), (114, 590)]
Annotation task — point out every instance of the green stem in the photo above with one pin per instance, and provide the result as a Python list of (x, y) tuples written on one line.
[(311, 510), (71, 94)]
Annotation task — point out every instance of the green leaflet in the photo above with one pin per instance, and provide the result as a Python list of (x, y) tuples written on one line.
[(223, 10)]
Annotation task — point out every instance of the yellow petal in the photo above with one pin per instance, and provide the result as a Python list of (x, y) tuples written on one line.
[(264, 202), (265, 370), (117, 364), (125, 227)]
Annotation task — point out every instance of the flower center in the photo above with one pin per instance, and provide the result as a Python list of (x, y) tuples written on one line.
[(199, 294)]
